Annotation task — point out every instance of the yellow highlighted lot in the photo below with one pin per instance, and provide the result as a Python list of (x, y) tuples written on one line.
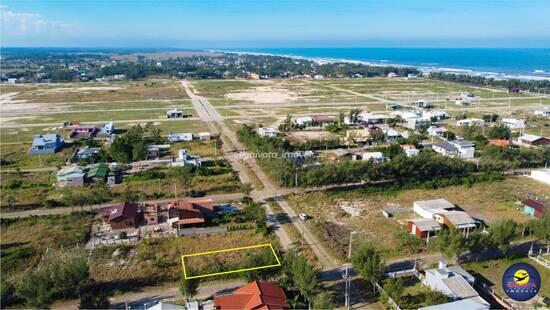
[(267, 245)]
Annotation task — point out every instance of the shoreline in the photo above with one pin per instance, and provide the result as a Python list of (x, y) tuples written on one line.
[(382, 63)]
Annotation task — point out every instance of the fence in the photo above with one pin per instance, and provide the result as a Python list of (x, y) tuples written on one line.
[(540, 258), (382, 292), (201, 231)]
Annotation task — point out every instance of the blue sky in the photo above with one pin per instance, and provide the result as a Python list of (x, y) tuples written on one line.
[(235, 23)]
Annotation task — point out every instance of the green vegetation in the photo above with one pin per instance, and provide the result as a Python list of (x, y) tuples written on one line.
[(483, 81), (368, 263)]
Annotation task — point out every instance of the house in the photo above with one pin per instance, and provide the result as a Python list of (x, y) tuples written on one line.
[(429, 115), (445, 149), (428, 208), (340, 154), (87, 152), (513, 123), (472, 303), (122, 216), (543, 112), (191, 212), (97, 172), (168, 306), (255, 295), (174, 113), (423, 228), (70, 176), (470, 122), (322, 120), (533, 140), (155, 151), (114, 176), (535, 208), (371, 119), (499, 143), (436, 131), (83, 132), (391, 133), (422, 103), (456, 219), (411, 76), (376, 157), (393, 75), (514, 90), (318, 77), (268, 132), (454, 282), (541, 175), (304, 121), (184, 158), (46, 144), (106, 129), (410, 150), (205, 136), (466, 149), (179, 137)]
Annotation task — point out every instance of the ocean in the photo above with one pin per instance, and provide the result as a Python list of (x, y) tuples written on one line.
[(525, 63)]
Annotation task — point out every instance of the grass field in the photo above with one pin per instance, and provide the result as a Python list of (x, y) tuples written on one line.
[(112, 91), (17, 156), (333, 221), (491, 273), (160, 259)]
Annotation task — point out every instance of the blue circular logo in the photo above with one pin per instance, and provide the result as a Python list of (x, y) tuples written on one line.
[(521, 281)]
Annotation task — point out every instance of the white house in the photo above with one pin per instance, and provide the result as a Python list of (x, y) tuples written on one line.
[(204, 136), (70, 176), (513, 123), (436, 131), (454, 282), (391, 133), (438, 115), (445, 149), (178, 137), (268, 132), (470, 122), (543, 112), (422, 103), (174, 113), (318, 77), (376, 157), (466, 149), (411, 76), (185, 159), (393, 75), (410, 150), (374, 118), (428, 208), (304, 120)]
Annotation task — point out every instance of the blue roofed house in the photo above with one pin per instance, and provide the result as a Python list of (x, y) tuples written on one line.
[(46, 144)]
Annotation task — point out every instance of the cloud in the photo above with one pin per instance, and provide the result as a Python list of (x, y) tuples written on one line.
[(24, 23)]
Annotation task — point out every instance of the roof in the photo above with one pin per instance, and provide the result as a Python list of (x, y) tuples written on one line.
[(446, 146), (98, 170), (530, 138), (322, 118), (459, 218), (69, 170), (341, 152), (255, 295), (473, 303), (462, 143), (192, 211), (125, 209), (426, 224), (499, 142), (537, 205), (460, 287), (39, 140), (434, 204)]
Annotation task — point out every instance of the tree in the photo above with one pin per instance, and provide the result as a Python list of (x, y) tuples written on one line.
[(542, 230), (188, 287), (263, 258), (35, 288), (502, 233), (368, 263), (394, 289), (449, 135), (499, 132), (93, 297), (323, 301), (490, 118), (69, 275), (246, 188), (305, 278), (354, 117), (435, 298), (341, 118), (450, 243)]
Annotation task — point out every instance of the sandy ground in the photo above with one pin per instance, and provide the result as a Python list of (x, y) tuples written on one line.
[(302, 136), (264, 94), (77, 89)]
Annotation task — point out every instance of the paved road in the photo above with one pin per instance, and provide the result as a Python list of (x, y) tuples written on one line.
[(64, 210)]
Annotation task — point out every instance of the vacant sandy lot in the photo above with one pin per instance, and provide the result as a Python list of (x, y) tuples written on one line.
[(303, 136)]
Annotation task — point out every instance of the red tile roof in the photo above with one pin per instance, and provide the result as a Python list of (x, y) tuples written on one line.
[(255, 295), (502, 143), (192, 211), (126, 209), (540, 208)]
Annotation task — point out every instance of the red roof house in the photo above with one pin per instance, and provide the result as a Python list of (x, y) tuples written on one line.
[(535, 208), (192, 212), (499, 142), (254, 295), (122, 216)]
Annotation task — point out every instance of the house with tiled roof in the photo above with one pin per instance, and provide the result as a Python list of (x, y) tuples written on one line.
[(122, 216), (255, 295), (191, 212), (535, 208)]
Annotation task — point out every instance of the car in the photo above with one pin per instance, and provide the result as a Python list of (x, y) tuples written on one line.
[(303, 216)]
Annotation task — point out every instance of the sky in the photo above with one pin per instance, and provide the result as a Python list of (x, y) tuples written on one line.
[(275, 23)]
